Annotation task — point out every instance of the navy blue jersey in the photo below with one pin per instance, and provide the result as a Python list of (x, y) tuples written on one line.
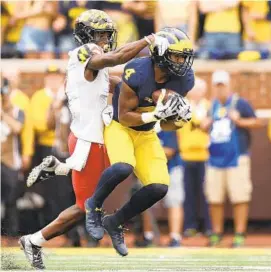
[(139, 76)]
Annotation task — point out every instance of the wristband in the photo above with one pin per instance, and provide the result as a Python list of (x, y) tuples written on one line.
[(148, 117)]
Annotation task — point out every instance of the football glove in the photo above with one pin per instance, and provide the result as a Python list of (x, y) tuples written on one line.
[(160, 43), (183, 111), (169, 109), (162, 111)]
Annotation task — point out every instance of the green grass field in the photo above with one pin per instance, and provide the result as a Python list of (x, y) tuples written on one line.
[(150, 259)]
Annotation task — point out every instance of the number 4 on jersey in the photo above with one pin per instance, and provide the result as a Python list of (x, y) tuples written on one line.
[(128, 73)]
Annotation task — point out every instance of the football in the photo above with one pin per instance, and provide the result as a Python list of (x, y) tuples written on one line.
[(156, 95), (168, 93)]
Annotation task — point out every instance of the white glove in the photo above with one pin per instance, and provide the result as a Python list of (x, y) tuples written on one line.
[(169, 109), (160, 43), (107, 115), (184, 110), (162, 111)]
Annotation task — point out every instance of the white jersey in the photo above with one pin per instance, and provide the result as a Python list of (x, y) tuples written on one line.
[(86, 99)]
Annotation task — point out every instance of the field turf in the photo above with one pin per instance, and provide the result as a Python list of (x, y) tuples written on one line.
[(150, 259)]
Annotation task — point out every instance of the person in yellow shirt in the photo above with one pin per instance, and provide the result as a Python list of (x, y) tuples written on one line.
[(22, 101), (193, 144), (221, 28), (4, 22), (11, 125), (39, 106), (257, 29), (127, 30), (37, 37), (13, 29), (45, 137)]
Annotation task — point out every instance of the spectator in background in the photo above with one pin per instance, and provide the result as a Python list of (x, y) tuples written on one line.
[(37, 40), (12, 122), (257, 29), (13, 31), (268, 17), (127, 31), (221, 38), (63, 25), (175, 195), (143, 12), (58, 119), (4, 21), (173, 14), (194, 143), (231, 118), (22, 101), (45, 136)]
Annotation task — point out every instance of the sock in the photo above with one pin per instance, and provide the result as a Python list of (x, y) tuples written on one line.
[(37, 239), (110, 178), (62, 169), (139, 202), (148, 235), (175, 235)]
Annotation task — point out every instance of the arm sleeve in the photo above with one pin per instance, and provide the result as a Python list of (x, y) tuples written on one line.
[(245, 109)]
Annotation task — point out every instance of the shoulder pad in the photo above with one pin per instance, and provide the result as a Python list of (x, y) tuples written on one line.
[(87, 50)]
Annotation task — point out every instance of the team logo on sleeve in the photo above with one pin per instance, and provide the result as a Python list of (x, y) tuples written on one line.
[(84, 53)]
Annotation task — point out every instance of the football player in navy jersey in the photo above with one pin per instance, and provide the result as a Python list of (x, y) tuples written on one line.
[(132, 144)]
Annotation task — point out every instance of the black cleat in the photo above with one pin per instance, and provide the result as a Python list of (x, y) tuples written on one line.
[(94, 225), (43, 171), (32, 253), (117, 236)]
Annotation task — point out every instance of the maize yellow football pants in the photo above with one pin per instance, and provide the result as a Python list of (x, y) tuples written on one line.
[(141, 149)]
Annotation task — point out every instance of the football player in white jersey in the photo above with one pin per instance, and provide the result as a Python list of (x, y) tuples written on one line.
[(87, 88)]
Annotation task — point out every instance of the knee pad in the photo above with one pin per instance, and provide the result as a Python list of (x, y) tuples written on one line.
[(157, 190), (123, 170)]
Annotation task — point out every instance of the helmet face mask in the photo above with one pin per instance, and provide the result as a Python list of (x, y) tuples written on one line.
[(176, 67), (179, 57), (90, 28)]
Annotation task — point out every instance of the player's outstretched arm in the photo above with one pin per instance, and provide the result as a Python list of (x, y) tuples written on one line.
[(126, 52)]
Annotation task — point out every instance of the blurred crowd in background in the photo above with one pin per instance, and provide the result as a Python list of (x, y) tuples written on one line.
[(33, 128), (218, 29)]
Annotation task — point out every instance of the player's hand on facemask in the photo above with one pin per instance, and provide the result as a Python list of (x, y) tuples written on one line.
[(107, 115), (184, 110), (158, 42)]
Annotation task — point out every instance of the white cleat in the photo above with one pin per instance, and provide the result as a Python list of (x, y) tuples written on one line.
[(32, 252), (43, 171)]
